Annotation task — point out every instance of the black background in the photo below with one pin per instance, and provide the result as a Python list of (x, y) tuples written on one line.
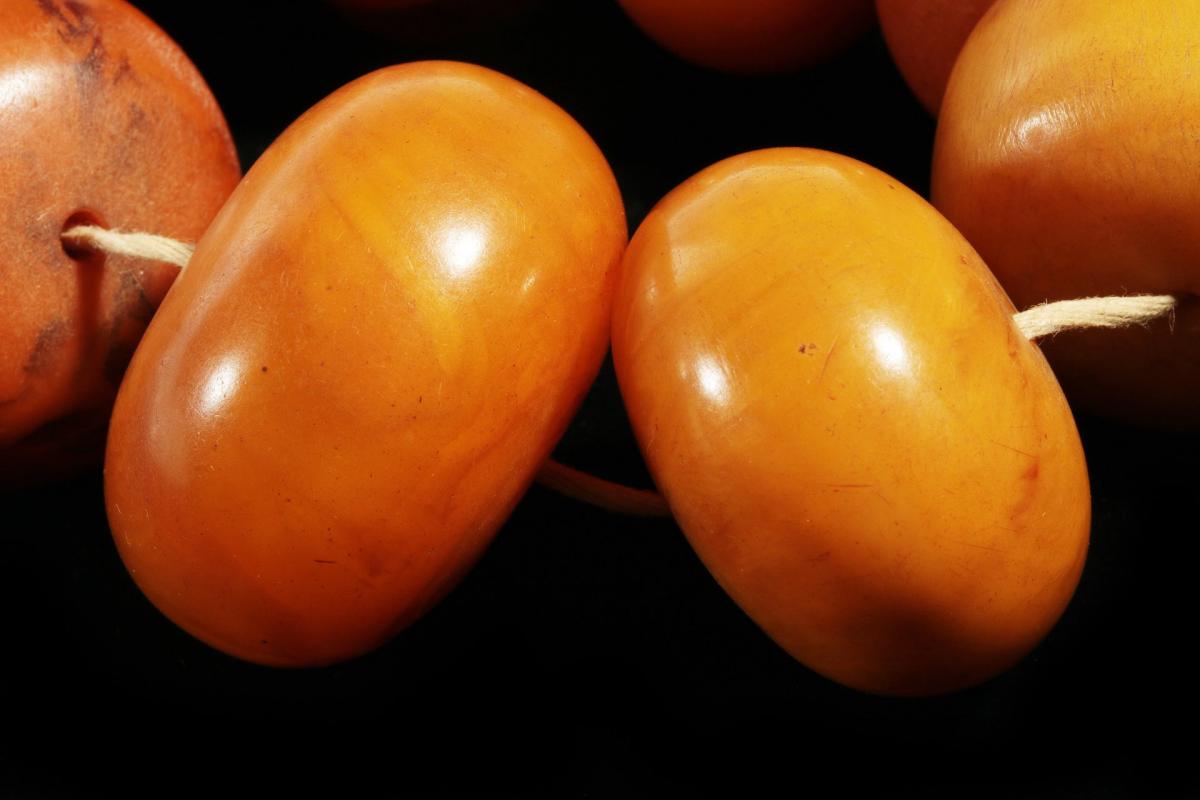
[(589, 654)]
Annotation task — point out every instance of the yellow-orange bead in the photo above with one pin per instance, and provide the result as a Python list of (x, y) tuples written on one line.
[(374, 348), (829, 389)]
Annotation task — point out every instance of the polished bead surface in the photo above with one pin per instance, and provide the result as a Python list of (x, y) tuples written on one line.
[(829, 390), (103, 120), (1068, 153), (374, 348)]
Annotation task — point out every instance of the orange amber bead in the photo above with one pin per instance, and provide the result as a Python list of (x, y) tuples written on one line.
[(375, 346), (829, 389), (925, 37), (752, 36), (1068, 153), (103, 120)]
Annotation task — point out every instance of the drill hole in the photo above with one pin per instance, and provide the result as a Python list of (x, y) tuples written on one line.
[(74, 249)]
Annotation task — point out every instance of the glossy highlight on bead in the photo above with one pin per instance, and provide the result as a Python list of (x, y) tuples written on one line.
[(829, 390), (369, 356)]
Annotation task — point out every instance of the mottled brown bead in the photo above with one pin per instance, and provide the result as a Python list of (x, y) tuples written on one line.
[(102, 119)]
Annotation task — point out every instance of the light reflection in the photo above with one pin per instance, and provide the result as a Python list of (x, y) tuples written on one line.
[(529, 282), (24, 84), (890, 350), (1042, 126), (219, 386), (460, 247), (712, 379)]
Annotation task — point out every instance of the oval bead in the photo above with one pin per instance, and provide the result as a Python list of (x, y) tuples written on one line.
[(1067, 153), (830, 392), (375, 346)]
